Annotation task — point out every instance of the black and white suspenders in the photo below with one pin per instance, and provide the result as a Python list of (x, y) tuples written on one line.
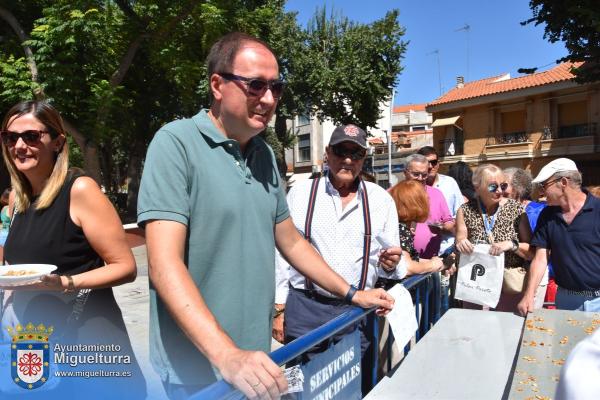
[(367, 221)]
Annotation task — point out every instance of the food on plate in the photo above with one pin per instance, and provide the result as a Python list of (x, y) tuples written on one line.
[(18, 272)]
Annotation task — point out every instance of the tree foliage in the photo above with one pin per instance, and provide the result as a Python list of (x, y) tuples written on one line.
[(117, 70), (577, 24), (335, 68), (352, 67)]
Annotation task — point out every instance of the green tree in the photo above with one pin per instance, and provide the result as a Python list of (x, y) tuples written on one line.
[(120, 69), (335, 69), (577, 24), (353, 66), (117, 70)]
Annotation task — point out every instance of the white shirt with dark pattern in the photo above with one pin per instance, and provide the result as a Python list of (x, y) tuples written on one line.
[(338, 234)]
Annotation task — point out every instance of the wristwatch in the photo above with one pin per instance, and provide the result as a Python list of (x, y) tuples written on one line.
[(515, 244), (350, 294), (70, 285)]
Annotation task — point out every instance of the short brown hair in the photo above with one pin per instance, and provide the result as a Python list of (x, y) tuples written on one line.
[(411, 201), (223, 52)]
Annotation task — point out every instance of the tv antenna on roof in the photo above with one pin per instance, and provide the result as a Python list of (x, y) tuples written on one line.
[(437, 53), (467, 29)]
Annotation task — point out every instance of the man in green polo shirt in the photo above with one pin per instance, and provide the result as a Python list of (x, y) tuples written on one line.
[(213, 208)]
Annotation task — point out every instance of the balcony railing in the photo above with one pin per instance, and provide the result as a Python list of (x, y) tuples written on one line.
[(508, 138), (569, 131)]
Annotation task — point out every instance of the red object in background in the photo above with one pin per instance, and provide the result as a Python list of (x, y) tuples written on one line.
[(551, 294)]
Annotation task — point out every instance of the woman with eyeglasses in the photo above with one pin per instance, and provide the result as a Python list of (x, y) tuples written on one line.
[(520, 189), (495, 220), (61, 217)]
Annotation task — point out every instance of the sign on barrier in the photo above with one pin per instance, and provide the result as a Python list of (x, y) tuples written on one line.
[(335, 373)]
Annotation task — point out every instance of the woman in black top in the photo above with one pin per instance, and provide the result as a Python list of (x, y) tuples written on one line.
[(61, 217)]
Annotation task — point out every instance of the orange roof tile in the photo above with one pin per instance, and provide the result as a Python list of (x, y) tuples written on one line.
[(497, 84), (408, 108), (375, 140)]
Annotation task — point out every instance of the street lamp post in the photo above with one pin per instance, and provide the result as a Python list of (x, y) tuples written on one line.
[(389, 139)]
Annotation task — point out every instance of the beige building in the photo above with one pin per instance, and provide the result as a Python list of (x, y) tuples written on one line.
[(312, 136), (411, 130), (523, 122)]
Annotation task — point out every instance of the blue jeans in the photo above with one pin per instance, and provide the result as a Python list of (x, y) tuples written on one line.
[(568, 301)]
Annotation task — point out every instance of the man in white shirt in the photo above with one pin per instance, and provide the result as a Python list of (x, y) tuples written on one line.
[(445, 184), (336, 213)]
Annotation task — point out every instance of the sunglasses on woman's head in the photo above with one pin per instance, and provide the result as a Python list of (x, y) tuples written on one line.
[(258, 87), (355, 154), (493, 187), (31, 137)]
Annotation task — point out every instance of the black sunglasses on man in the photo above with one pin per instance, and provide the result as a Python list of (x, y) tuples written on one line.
[(257, 87), (354, 154)]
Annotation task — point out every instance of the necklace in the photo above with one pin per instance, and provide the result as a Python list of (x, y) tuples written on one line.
[(488, 220)]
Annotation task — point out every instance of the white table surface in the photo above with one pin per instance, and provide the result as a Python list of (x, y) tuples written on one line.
[(468, 354)]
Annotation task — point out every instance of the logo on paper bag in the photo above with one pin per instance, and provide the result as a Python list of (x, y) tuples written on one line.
[(477, 270), (30, 355)]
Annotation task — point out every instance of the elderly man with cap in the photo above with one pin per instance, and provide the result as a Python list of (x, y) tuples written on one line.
[(568, 235), (354, 226)]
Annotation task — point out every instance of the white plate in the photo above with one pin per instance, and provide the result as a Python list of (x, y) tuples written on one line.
[(20, 280)]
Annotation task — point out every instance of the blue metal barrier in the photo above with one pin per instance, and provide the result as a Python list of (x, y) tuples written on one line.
[(429, 284)]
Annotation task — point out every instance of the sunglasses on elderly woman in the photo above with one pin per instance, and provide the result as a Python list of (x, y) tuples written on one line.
[(493, 187), (355, 154), (258, 87), (31, 137)]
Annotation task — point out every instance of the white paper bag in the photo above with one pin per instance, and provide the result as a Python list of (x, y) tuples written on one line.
[(480, 276), (402, 318)]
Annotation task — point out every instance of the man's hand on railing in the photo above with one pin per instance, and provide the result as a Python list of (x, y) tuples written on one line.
[(253, 373), (374, 298)]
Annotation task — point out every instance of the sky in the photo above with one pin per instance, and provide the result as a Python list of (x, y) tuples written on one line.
[(494, 44)]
